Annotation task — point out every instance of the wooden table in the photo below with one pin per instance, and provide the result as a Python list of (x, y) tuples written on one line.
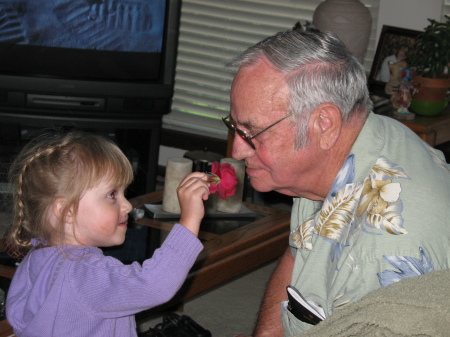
[(434, 130), (230, 254), (6, 329)]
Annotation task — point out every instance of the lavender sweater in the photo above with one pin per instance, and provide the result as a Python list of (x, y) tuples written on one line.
[(80, 292)]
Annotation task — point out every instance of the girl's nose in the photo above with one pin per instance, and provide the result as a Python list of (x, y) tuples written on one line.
[(126, 206)]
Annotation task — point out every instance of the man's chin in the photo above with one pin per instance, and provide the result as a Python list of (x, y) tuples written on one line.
[(258, 186)]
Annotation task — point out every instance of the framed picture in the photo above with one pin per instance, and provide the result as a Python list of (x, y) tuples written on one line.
[(392, 46)]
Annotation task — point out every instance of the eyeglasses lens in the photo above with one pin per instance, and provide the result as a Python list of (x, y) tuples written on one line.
[(230, 124)]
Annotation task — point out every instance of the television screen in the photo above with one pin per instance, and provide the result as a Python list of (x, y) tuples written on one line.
[(132, 26), (110, 49), (93, 29)]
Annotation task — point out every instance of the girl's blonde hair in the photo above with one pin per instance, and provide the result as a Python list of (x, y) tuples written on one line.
[(55, 166)]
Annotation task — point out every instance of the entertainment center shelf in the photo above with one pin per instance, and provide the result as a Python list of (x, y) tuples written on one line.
[(139, 138)]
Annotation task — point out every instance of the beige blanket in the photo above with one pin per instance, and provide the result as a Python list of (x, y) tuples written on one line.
[(418, 306)]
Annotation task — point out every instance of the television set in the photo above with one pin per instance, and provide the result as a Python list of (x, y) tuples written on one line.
[(88, 58)]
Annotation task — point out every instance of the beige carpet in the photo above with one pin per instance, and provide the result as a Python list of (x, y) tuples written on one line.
[(228, 309)]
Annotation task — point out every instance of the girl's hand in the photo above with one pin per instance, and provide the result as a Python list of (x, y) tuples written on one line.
[(191, 193)]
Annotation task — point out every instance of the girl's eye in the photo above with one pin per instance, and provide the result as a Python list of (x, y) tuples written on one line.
[(112, 195)]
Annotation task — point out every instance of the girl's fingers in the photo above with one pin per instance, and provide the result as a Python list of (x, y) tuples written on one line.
[(192, 178)]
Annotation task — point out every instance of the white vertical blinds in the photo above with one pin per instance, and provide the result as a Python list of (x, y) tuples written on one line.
[(212, 32)]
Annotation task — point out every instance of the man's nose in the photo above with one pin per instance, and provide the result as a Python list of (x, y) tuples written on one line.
[(241, 149)]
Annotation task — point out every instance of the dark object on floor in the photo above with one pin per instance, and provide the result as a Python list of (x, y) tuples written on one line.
[(174, 325)]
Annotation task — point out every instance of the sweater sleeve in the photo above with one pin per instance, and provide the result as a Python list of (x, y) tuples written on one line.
[(109, 288)]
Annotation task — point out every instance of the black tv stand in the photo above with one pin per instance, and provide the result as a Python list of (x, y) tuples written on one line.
[(139, 138)]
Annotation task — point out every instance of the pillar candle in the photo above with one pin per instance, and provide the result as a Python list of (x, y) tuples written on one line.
[(232, 204), (176, 170), (211, 204)]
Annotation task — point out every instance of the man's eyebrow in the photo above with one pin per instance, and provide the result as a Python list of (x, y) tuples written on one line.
[(246, 124)]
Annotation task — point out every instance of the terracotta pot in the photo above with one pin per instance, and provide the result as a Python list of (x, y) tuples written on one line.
[(431, 89)]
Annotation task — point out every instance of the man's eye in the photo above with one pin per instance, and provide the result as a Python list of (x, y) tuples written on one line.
[(112, 195)]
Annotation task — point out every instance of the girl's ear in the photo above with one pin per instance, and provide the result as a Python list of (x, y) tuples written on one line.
[(58, 209), (70, 216)]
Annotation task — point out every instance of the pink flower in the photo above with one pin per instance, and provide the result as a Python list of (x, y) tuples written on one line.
[(223, 180)]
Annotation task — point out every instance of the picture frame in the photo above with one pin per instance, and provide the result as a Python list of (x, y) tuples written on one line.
[(392, 39)]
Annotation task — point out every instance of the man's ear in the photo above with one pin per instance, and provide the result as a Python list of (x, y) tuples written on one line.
[(327, 125)]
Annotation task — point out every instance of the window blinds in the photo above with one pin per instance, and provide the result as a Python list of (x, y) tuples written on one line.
[(212, 32)]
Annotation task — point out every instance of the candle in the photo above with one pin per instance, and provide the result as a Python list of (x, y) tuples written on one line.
[(211, 204), (233, 203), (176, 170)]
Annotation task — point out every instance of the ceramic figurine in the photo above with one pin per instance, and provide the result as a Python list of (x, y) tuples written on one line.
[(396, 70)]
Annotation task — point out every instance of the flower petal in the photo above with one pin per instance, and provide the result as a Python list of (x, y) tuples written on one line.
[(390, 192), (224, 180)]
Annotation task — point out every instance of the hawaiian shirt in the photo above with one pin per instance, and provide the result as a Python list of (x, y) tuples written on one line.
[(386, 218)]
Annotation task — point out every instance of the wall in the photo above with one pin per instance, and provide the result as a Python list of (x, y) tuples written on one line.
[(410, 14)]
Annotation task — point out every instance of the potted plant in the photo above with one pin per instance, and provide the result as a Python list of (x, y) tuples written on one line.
[(429, 57)]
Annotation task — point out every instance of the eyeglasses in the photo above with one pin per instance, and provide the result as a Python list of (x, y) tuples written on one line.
[(231, 125)]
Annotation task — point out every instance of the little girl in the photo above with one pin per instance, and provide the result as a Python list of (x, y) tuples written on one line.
[(69, 200)]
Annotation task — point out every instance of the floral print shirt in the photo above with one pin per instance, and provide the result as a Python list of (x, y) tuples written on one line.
[(385, 218)]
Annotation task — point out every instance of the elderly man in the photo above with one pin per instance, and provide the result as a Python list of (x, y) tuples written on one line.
[(370, 198)]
